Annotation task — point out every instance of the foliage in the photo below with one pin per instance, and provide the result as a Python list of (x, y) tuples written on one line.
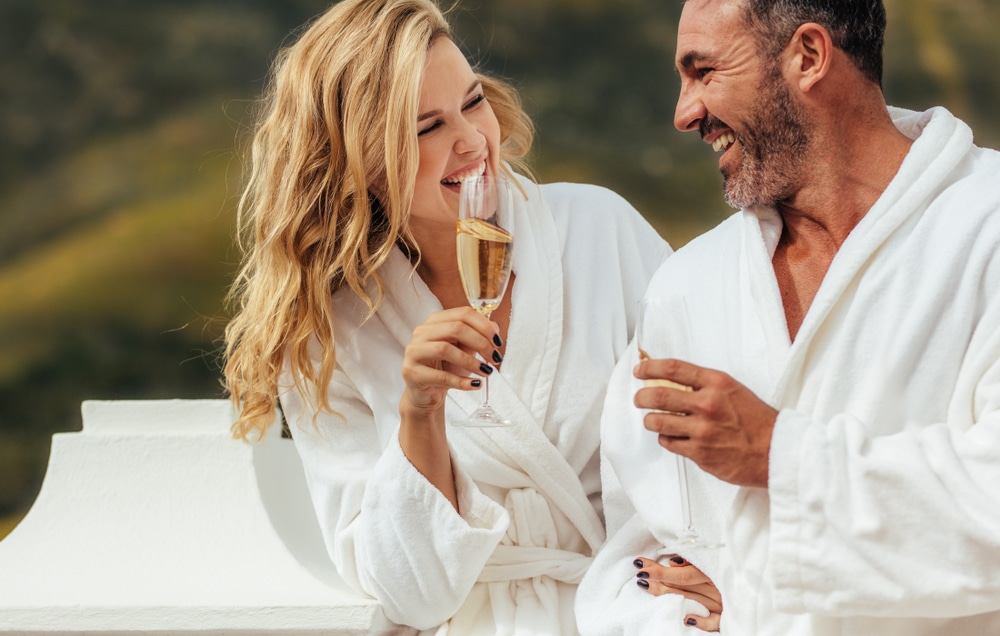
[(120, 124)]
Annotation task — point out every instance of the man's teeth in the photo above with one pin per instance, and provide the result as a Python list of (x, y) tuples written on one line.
[(459, 178), (724, 141)]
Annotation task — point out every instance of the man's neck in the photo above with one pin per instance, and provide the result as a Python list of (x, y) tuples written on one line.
[(851, 168)]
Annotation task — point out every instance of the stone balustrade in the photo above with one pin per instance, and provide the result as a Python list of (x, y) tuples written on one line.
[(153, 518)]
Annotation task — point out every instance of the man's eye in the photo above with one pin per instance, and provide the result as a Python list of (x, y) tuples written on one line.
[(702, 73)]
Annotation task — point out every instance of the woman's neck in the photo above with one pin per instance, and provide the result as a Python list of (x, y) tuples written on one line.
[(438, 263)]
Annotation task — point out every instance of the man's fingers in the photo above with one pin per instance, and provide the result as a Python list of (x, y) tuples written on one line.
[(677, 371)]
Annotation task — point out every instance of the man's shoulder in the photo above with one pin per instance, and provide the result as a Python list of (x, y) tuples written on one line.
[(717, 241), (710, 254), (985, 167)]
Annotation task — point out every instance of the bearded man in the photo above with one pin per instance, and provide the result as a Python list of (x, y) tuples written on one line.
[(840, 337)]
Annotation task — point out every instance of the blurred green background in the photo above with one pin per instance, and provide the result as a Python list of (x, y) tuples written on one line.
[(119, 128)]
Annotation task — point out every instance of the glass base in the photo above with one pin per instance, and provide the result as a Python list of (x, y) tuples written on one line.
[(484, 417), (694, 540)]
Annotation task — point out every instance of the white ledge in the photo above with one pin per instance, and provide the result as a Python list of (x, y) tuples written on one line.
[(154, 519)]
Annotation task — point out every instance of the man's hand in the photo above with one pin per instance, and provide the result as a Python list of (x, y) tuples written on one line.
[(720, 424)]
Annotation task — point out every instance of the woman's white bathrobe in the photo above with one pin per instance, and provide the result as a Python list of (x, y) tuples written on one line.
[(882, 512), (529, 495)]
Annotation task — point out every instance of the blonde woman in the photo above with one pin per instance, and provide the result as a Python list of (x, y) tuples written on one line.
[(351, 314)]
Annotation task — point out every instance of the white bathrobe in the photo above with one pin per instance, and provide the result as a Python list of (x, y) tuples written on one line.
[(882, 512), (530, 519)]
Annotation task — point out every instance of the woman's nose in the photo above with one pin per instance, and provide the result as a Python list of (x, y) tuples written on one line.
[(469, 138)]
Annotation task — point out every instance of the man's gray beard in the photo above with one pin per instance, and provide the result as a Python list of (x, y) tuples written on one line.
[(773, 147)]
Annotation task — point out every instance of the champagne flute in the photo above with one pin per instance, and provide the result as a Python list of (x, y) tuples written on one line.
[(658, 317), (485, 245)]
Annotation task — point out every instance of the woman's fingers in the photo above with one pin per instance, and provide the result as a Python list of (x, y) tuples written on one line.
[(682, 578), (443, 351), (705, 624), (700, 595)]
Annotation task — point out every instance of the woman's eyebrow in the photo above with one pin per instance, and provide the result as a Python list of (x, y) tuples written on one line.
[(434, 113)]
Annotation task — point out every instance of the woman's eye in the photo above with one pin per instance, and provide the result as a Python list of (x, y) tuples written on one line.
[(430, 128), (477, 100)]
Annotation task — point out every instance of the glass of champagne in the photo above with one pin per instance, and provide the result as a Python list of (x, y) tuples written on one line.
[(485, 254), (659, 318)]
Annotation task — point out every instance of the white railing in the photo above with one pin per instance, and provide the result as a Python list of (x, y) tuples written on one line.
[(153, 518)]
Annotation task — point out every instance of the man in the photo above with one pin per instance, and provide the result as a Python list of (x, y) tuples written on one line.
[(841, 337)]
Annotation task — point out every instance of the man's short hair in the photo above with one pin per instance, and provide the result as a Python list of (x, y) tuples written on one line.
[(857, 27)]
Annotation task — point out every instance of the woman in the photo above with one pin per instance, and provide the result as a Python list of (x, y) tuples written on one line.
[(352, 314)]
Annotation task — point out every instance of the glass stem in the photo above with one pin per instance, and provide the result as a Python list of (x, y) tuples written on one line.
[(685, 494)]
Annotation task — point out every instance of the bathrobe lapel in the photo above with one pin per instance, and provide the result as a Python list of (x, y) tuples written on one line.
[(931, 161), (521, 389)]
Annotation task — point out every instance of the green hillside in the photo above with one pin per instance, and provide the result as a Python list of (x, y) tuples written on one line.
[(118, 167)]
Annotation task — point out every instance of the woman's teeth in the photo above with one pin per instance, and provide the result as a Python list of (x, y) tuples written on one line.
[(724, 141), (457, 179)]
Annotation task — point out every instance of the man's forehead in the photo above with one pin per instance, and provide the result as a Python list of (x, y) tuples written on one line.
[(698, 10), (707, 25)]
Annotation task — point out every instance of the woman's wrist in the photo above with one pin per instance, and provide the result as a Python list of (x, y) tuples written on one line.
[(423, 438)]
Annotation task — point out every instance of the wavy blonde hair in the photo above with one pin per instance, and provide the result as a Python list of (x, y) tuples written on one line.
[(340, 108)]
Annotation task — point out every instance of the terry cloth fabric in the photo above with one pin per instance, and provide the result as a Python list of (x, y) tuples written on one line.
[(882, 512), (530, 519)]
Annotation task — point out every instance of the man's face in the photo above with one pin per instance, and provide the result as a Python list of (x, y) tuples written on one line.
[(740, 104)]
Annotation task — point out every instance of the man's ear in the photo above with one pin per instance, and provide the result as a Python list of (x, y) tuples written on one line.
[(810, 53)]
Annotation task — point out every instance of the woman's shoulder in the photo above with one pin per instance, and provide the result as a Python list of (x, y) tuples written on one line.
[(585, 208), (584, 198)]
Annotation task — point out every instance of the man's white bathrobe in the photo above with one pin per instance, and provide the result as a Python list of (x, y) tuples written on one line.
[(882, 512), (530, 515)]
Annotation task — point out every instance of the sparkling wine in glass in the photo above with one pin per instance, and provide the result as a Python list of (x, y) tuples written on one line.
[(656, 317), (485, 253)]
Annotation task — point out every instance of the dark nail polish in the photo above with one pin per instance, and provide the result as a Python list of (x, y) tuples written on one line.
[(497, 340), (637, 563), (691, 621), (477, 383), (677, 560), (485, 368), (643, 584), (497, 357), (642, 575)]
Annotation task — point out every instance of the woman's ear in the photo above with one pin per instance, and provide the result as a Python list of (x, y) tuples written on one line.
[(811, 53)]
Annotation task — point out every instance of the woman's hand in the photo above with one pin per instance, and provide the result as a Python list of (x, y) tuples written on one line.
[(442, 355), (682, 578)]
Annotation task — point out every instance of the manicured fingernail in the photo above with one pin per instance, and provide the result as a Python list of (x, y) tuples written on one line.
[(485, 368), (497, 357), (497, 340), (643, 584), (691, 621), (637, 563), (677, 560), (642, 575), (477, 383)]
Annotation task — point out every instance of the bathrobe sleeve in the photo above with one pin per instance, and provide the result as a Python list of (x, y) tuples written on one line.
[(391, 534), (609, 603), (849, 513)]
